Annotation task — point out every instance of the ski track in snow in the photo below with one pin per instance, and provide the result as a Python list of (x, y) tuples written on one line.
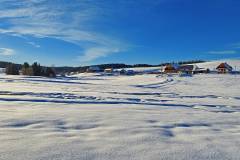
[(91, 116)]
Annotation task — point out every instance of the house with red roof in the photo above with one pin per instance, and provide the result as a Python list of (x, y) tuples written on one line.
[(224, 68)]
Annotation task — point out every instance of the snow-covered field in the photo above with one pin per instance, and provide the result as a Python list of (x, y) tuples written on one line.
[(142, 117)]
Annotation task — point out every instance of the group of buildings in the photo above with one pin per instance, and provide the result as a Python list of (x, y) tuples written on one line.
[(194, 69), (170, 68), (96, 69)]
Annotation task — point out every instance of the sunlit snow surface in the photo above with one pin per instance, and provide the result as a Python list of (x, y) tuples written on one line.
[(142, 117)]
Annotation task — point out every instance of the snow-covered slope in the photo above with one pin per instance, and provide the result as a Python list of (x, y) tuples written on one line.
[(94, 117)]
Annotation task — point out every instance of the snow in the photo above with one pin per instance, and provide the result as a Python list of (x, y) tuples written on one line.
[(94, 117)]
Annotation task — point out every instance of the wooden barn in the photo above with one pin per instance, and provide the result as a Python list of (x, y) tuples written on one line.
[(171, 68), (224, 68)]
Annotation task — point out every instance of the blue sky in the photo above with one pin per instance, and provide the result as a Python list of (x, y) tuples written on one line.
[(83, 32)]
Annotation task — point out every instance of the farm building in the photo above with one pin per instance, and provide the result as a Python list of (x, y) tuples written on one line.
[(122, 71), (202, 70), (130, 72), (189, 69), (127, 72), (94, 69), (192, 69), (171, 68), (224, 68), (108, 70)]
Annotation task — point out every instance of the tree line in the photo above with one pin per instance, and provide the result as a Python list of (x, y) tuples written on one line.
[(37, 70), (31, 70)]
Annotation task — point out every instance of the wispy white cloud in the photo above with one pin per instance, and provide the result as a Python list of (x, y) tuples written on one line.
[(6, 52), (93, 53), (70, 22), (236, 45), (225, 52), (34, 44)]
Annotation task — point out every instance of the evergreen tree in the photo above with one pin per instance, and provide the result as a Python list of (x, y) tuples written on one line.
[(37, 69), (27, 70), (49, 72), (12, 69), (26, 65)]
